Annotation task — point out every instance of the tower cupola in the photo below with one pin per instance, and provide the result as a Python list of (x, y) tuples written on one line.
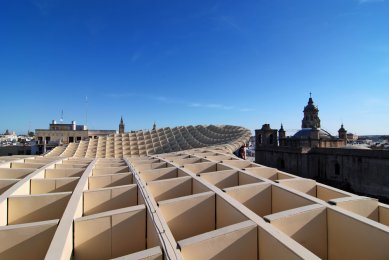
[(311, 115)]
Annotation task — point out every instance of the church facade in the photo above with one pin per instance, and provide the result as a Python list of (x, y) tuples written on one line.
[(314, 153), (311, 134)]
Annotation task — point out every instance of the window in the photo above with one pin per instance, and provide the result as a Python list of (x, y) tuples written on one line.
[(271, 139), (337, 168), (259, 139), (71, 139)]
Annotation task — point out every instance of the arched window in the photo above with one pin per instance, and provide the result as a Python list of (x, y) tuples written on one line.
[(337, 168)]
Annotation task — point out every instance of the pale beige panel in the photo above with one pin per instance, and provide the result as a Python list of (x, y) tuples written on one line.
[(6, 184), (92, 238), (40, 186), (12, 173), (181, 162), (70, 166), (264, 172), (3, 212), (241, 164), (21, 187), (284, 175), (147, 161), (111, 180), (109, 170), (383, 214), (238, 241), (31, 208), (247, 179), (38, 160), (181, 173), (353, 238), (203, 154), (198, 210), (24, 187), (151, 166), (198, 187), (154, 253), (26, 241), (327, 193), (152, 233), (77, 161), (304, 185), (128, 232), (222, 167), (63, 173), (366, 207), (256, 197), (170, 188), (18, 165), (222, 179), (306, 225), (220, 158), (284, 200), (270, 247), (108, 165), (226, 214), (99, 200), (201, 167), (141, 199), (159, 174)]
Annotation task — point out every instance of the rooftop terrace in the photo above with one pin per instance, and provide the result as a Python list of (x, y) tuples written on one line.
[(198, 203)]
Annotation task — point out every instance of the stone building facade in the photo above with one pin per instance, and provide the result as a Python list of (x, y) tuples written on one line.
[(60, 133), (313, 153)]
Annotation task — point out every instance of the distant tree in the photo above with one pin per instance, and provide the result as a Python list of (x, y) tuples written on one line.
[(31, 134)]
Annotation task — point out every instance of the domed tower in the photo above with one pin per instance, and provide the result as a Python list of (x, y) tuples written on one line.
[(121, 126), (311, 115), (342, 133)]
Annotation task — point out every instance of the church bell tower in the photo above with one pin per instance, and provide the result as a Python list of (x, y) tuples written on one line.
[(311, 115), (121, 126)]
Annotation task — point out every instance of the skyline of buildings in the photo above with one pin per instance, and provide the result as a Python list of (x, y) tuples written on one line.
[(288, 130)]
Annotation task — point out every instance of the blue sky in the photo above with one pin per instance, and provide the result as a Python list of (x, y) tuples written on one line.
[(194, 62)]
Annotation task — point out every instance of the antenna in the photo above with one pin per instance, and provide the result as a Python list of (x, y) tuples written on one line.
[(61, 120)]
